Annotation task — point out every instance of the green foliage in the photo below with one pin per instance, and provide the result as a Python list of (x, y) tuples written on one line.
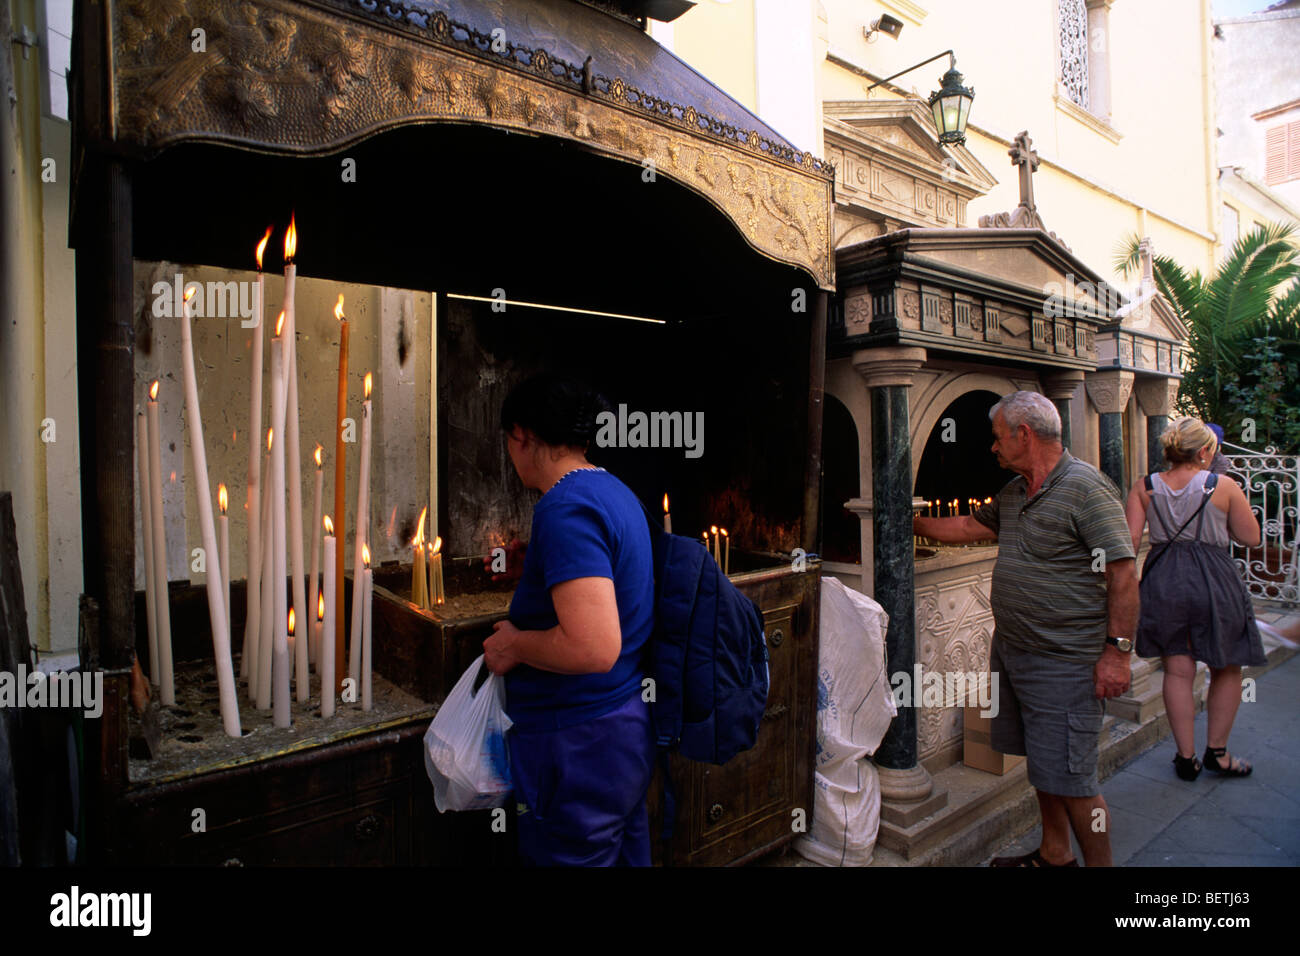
[(1243, 323)]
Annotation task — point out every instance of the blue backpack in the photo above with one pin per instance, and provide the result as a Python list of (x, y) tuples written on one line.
[(707, 655)]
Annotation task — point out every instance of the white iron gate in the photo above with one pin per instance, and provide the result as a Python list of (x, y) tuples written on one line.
[(1272, 484)]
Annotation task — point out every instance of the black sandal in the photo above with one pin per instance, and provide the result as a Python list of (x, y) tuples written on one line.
[(1034, 859), (1237, 768), (1187, 768)]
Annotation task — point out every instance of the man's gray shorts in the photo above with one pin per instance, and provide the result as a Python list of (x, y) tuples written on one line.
[(1048, 711)]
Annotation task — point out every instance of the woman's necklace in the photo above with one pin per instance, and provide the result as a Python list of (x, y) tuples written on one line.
[(571, 471)]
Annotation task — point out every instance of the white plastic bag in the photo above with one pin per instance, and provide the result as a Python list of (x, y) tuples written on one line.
[(465, 747), (846, 817)]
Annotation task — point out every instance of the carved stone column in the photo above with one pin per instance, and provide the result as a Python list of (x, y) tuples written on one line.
[(1156, 399), (888, 372), (1109, 391), (1060, 388)]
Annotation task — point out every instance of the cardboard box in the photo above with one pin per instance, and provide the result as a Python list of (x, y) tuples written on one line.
[(977, 751)]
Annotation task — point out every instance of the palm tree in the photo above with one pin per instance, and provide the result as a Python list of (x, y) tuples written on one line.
[(1253, 294)]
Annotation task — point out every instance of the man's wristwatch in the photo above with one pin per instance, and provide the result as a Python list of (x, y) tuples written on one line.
[(1123, 643)]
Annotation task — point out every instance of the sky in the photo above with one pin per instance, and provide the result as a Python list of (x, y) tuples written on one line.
[(1239, 8)]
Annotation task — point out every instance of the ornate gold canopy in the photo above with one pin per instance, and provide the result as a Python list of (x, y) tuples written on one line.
[(311, 76)]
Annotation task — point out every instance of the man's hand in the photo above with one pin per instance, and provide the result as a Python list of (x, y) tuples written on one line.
[(1111, 673), (498, 650)]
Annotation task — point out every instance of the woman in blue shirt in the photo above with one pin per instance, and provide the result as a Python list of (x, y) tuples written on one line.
[(582, 746)]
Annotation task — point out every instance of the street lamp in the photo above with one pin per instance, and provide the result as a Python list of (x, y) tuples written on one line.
[(950, 104)]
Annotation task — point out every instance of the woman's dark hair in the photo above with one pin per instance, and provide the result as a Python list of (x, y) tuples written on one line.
[(557, 409)]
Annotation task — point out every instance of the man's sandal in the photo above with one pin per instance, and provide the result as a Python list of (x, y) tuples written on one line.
[(1029, 859), (1187, 768), (1236, 767)]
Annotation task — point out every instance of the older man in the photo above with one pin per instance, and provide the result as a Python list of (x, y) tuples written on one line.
[(1065, 608)]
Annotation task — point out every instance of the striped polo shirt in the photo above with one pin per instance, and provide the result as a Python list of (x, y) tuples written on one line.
[(1049, 588)]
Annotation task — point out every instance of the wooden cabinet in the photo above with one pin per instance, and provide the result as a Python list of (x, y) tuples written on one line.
[(745, 808)]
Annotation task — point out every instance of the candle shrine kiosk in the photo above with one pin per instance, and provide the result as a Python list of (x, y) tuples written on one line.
[(499, 189)]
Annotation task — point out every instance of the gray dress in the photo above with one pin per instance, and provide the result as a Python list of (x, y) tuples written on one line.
[(1193, 600)]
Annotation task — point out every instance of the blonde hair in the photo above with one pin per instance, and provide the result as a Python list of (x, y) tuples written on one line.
[(1184, 438)]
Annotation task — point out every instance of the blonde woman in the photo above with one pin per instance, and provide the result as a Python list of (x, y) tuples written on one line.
[(1194, 604)]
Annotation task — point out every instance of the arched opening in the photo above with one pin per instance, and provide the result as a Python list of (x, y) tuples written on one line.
[(957, 466), (841, 528)]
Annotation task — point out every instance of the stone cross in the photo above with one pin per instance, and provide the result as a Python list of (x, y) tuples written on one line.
[(1023, 155)]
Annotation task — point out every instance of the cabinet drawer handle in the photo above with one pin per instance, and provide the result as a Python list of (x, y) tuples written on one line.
[(778, 636), (773, 713), (715, 812), (367, 827)]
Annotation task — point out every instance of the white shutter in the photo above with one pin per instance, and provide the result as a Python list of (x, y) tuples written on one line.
[(1275, 155)]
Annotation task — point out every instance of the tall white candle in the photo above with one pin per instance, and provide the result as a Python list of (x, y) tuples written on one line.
[(363, 536), (253, 618), (260, 633), (223, 536), (203, 492), (162, 603), (146, 536), (266, 632), (309, 652), (367, 592), (327, 639), (292, 448), (280, 651)]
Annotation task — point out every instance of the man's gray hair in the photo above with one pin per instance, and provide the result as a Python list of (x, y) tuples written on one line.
[(1032, 409)]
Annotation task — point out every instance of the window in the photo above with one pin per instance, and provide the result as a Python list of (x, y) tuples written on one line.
[(1074, 50), (1084, 44), (1231, 224), (1282, 153), (57, 55)]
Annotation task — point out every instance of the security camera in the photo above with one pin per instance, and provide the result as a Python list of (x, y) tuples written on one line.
[(885, 24)]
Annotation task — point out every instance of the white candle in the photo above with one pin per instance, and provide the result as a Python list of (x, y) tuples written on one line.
[(253, 618), (292, 447), (162, 602), (668, 518), (203, 492), (327, 632), (314, 591), (267, 630), (146, 536), (223, 535), (280, 650), (367, 592), (363, 537), (261, 633)]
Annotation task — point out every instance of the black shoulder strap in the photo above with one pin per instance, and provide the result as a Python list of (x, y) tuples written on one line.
[(1205, 499), (1146, 481)]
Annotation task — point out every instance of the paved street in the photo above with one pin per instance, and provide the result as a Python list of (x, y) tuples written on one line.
[(1160, 820)]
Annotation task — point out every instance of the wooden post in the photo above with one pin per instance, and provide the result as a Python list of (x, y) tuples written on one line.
[(816, 401)]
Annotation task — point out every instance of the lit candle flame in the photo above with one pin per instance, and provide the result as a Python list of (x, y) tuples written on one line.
[(367, 386), (320, 606), (173, 476), (318, 456), (329, 526), (261, 247), (723, 532), (153, 391), (189, 292), (437, 543), (665, 504), (270, 435), (419, 534), (365, 555), (290, 620), (221, 497), (338, 309), (713, 529), (279, 324), (290, 241)]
